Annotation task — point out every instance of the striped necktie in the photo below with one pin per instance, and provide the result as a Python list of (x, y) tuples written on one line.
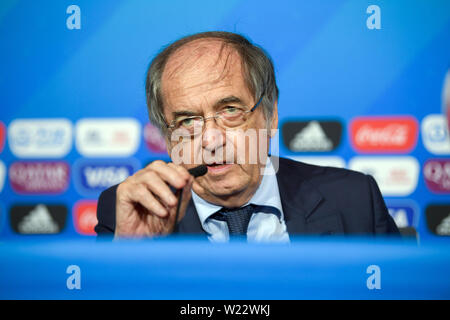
[(237, 219)]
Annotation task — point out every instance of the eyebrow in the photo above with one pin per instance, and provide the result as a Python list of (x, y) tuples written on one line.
[(229, 99), (218, 104), (184, 113)]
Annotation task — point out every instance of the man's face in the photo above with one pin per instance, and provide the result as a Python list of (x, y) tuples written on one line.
[(201, 79)]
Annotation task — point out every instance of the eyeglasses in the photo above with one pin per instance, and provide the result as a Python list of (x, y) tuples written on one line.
[(227, 118)]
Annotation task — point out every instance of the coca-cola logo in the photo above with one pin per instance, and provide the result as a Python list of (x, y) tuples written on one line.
[(39, 177), (437, 175), (384, 135)]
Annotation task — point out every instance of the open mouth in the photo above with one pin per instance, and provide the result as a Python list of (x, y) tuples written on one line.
[(216, 164)]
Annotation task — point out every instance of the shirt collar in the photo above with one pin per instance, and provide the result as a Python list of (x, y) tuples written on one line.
[(267, 194)]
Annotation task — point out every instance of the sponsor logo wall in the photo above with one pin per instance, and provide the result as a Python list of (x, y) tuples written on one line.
[(386, 147), (74, 117), (54, 174), (105, 151)]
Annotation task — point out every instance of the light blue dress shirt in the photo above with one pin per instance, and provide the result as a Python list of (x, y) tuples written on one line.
[(263, 226)]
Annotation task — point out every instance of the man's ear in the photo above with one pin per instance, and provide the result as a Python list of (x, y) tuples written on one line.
[(274, 124)]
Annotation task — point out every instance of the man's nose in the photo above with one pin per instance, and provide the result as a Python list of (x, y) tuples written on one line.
[(213, 136)]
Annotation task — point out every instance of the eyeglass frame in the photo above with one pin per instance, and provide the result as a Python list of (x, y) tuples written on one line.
[(215, 116)]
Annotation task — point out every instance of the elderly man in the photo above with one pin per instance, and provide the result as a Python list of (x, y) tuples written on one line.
[(207, 93)]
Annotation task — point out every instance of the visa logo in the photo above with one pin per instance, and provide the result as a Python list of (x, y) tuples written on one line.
[(92, 177), (404, 216), (104, 177)]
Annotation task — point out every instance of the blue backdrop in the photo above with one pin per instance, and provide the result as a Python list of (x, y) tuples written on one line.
[(330, 64)]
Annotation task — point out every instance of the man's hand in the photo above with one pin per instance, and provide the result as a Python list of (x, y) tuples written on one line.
[(146, 206)]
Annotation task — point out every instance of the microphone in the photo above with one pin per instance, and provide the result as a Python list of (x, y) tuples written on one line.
[(195, 172), (198, 171)]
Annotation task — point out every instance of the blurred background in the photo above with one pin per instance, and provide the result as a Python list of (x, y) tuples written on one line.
[(362, 86)]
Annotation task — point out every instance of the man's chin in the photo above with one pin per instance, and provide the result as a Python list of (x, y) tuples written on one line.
[(230, 185)]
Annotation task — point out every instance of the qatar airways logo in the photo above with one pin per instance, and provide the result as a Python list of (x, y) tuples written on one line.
[(437, 175), (384, 134), (39, 177)]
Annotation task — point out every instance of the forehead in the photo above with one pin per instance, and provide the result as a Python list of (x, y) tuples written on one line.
[(201, 69)]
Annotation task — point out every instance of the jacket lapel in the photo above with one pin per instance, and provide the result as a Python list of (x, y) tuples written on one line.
[(299, 199), (305, 209), (190, 224)]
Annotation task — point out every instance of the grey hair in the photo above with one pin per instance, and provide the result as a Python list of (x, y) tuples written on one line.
[(259, 74)]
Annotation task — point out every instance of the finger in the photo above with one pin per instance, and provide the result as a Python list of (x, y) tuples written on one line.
[(140, 194), (159, 188), (170, 174), (181, 170)]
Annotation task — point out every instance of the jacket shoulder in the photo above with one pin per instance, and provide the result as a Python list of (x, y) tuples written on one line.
[(354, 195), (106, 211)]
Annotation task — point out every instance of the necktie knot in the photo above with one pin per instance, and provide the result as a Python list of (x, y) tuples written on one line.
[(236, 219)]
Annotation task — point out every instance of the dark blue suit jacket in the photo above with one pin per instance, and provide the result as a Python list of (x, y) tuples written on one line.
[(315, 200)]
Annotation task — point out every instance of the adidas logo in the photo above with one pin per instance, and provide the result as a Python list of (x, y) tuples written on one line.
[(443, 228), (38, 221), (312, 138)]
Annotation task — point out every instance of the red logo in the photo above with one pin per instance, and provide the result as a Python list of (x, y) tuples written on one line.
[(39, 177), (384, 134), (85, 217), (154, 140), (437, 175), (2, 136)]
